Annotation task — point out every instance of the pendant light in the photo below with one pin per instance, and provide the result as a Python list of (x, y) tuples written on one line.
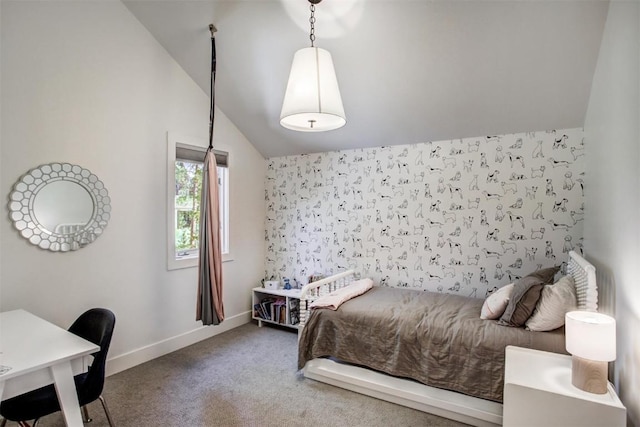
[(312, 102)]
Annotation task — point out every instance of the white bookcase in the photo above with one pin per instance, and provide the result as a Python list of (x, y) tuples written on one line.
[(276, 304)]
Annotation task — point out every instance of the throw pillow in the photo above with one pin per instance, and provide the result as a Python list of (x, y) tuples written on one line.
[(496, 303), (522, 302), (546, 275), (555, 301)]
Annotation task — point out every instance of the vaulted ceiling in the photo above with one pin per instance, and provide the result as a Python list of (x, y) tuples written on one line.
[(409, 70)]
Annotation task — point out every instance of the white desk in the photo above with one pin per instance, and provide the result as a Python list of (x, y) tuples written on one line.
[(538, 392), (40, 353)]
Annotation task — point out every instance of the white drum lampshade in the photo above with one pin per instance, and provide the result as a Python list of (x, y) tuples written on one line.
[(312, 102), (591, 340)]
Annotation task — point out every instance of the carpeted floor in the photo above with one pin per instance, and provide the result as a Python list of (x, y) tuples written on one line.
[(244, 377)]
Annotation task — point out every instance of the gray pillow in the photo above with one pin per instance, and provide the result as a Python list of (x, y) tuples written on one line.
[(525, 296), (545, 274)]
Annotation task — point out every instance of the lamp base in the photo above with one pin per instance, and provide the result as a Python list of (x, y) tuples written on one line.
[(589, 375)]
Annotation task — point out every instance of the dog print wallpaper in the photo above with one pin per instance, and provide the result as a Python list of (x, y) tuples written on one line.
[(463, 216)]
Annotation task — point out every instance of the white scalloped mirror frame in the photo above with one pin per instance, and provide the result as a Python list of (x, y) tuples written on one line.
[(59, 207)]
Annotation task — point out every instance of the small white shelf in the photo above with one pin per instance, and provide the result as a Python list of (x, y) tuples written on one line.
[(291, 305)]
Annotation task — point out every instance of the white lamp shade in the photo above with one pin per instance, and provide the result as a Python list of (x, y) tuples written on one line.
[(312, 102), (591, 335)]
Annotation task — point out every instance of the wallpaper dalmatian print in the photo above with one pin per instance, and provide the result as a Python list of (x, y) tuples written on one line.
[(463, 216)]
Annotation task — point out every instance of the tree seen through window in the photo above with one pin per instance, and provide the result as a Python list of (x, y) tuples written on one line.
[(188, 185)]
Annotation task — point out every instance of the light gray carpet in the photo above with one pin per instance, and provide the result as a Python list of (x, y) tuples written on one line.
[(244, 377)]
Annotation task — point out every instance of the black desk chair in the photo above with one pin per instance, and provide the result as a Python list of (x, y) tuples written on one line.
[(95, 325)]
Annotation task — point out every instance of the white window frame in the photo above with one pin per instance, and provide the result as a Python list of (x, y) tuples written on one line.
[(191, 260)]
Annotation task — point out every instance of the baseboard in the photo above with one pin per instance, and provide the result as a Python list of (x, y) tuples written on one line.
[(152, 351)]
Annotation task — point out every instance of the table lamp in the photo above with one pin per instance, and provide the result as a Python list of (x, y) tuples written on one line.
[(591, 340)]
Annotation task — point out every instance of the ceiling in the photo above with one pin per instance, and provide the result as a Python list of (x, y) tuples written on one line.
[(409, 70)]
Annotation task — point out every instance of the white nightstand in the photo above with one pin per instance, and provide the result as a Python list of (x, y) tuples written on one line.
[(538, 392)]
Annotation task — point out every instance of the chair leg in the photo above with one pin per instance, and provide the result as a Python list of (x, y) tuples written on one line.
[(3, 423), (85, 414), (106, 411)]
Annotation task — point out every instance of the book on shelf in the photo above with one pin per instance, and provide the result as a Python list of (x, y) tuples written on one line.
[(272, 308), (258, 311), (266, 307), (294, 311), (263, 308), (276, 309)]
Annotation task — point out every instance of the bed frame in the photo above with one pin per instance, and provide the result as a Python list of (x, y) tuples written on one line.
[(444, 403)]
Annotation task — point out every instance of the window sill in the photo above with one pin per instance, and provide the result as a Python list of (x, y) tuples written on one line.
[(192, 261)]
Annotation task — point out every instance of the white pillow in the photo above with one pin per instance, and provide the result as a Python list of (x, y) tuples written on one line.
[(496, 303), (555, 301)]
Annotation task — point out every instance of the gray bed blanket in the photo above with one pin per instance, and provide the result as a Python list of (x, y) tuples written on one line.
[(436, 339)]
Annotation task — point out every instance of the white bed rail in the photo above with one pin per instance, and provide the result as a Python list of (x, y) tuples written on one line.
[(315, 290), (584, 276)]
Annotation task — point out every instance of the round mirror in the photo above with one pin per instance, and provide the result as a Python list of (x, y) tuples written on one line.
[(60, 207)]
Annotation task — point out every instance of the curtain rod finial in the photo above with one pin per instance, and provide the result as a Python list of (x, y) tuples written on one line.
[(213, 29)]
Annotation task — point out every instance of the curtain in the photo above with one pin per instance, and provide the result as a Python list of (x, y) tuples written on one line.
[(209, 307)]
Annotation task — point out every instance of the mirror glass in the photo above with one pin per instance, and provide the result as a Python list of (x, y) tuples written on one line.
[(60, 207)]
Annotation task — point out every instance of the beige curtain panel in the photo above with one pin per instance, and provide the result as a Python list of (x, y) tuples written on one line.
[(210, 309)]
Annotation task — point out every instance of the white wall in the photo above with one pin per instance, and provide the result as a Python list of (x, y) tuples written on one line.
[(462, 216), (85, 83), (612, 224)]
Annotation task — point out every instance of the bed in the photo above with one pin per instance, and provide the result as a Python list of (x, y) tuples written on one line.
[(426, 350)]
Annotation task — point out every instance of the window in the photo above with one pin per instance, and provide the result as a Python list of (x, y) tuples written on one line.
[(185, 164)]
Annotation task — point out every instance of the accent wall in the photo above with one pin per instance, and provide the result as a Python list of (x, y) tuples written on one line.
[(462, 216)]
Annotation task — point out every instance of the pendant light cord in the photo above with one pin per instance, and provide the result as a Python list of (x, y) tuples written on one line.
[(312, 21), (212, 84)]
